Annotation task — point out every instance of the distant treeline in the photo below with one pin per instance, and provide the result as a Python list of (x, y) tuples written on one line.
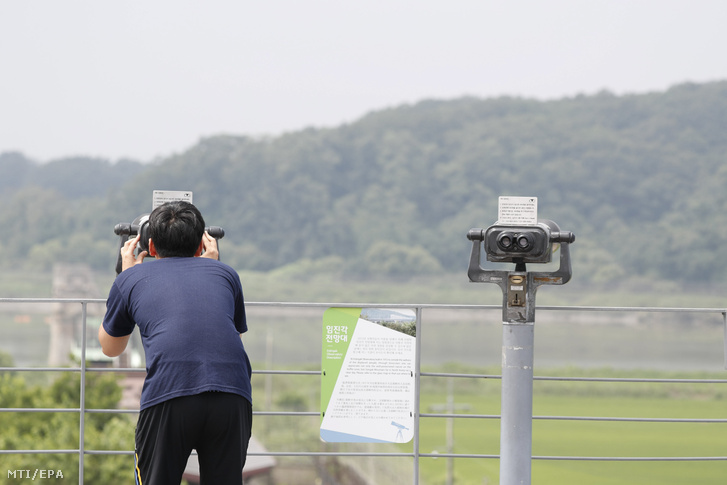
[(640, 179)]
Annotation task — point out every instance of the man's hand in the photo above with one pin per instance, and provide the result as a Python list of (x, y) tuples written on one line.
[(127, 254), (209, 245)]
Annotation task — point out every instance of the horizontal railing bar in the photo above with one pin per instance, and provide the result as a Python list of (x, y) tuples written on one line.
[(583, 379), (52, 300), (579, 418), (401, 455), (115, 452), (457, 416), (651, 309), (584, 458), (113, 411), (273, 453), (141, 369), (370, 305), (40, 369), (632, 458), (286, 413), (466, 376), (116, 369), (632, 379), (421, 415), (40, 410), (289, 372), (457, 455), (489, 307), (638, 420), (39, 452), (423, 374), (404, 305), (133, 411), (331, 453)]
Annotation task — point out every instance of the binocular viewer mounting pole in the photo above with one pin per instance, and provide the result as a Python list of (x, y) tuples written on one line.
[(519, 244)]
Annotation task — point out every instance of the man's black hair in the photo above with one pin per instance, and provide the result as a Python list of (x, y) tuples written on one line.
[(176, 229)]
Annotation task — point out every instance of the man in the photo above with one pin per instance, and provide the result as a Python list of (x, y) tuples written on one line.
[(190, 312)]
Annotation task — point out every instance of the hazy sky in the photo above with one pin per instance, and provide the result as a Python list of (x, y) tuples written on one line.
[(145, 79)]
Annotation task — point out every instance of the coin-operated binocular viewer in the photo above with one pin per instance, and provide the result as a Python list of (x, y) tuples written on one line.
[(520, 245)]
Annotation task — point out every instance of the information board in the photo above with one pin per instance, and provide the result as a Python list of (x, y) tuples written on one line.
[(367, 381)]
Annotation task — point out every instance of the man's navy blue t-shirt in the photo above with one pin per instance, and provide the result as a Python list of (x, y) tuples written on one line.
[(190, 313)]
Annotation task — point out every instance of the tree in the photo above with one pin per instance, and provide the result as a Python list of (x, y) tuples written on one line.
[(60, 430)]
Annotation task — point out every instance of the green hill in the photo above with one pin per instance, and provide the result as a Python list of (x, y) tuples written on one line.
[(638, 178)]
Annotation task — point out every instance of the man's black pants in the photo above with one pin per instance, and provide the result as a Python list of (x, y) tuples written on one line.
[(216, 424)]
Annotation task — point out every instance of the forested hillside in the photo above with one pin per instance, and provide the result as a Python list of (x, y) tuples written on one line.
[(640, 179)]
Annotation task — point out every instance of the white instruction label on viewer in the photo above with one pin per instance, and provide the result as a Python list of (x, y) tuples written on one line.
[(517, 211), (160, 197)]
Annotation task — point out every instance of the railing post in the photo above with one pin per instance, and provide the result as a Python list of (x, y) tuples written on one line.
[(417, 377), (82, 404)]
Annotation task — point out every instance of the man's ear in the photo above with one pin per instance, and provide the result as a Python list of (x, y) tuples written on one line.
[(199, 249), (152, 249)]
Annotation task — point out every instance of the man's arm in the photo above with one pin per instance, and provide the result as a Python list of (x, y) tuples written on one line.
[(112, 346)]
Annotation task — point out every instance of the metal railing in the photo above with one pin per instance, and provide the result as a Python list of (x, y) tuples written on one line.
[(416, 454)]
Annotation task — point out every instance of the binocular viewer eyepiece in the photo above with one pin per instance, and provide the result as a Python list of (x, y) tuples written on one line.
[(521, 244)]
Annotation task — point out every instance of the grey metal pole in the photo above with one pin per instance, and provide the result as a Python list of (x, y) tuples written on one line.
[(417, 387), (516, 424), (82, 404)]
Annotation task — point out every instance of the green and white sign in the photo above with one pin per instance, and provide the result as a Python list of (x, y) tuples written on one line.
[(367, 388)]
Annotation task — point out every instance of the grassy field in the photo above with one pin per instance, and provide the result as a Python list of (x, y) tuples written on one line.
[(561, 438), (631, 440)]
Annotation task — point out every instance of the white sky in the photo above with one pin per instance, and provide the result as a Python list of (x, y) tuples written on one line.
[(148, 78)]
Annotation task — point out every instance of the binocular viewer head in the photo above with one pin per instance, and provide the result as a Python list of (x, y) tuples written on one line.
[(140, 225), (521, 244)]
